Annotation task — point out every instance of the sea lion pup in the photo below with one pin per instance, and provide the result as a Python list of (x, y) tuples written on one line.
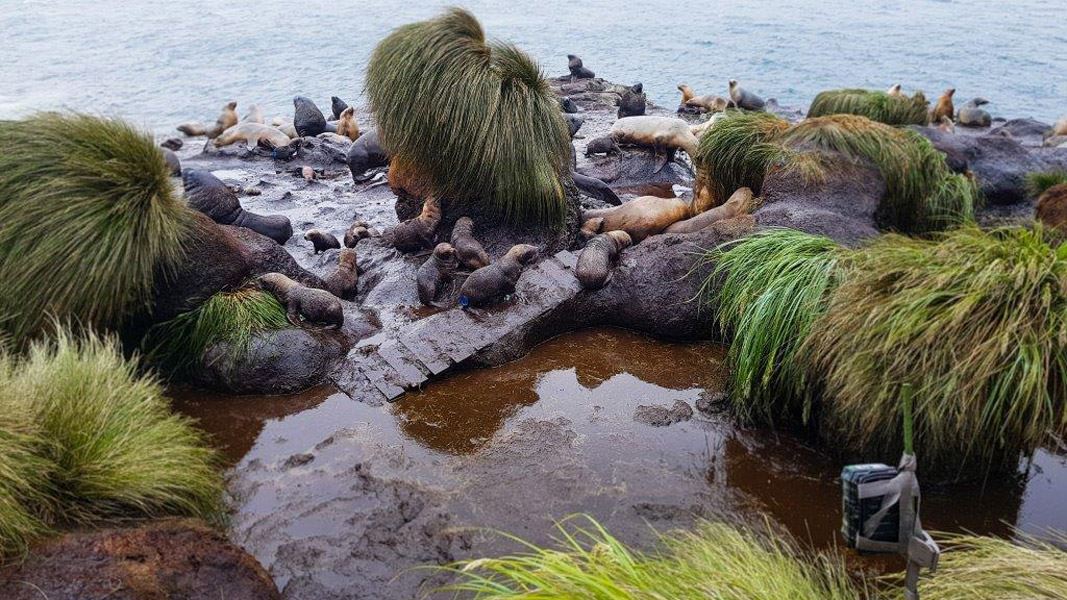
[(255, 115), (739, 203), (253, 134), (321, 240), (574, 64), (357, 231), (567, 105), (498, 279), (307, 118), (342, 282), (346, 124), (597, 260), (944, 107), (469, 250), (337, 106), (895, 91), (365, 154), (173, 163), (972, 116), (314, 305), (435, 271), (172, 144), (662, 134), (742, 98), (417, 233), (590, 228), (640, 217), (604, 144), (209, 195), (633, 102)]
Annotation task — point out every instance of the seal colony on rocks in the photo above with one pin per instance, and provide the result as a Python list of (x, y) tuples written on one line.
[(498, 280), (598, 258), (435, 271), (650, 215), (302, 302)]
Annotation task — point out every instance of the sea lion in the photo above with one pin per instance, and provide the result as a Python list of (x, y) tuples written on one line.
[(173, 163), (590, 228), (593, 187), (417, 233), (945, 125), (469, 250), (597, 260), (346, 124), (895, 91), (337, 106), (322, 240), (308, 173), (365, 154), (633, 102), (342, 282), (307, 118), (604, 144), (944, 107), (699, 129), (435, 271), (662, 134), (738, 204), (567, 105), (972, 116), (285, 126), (687, 92), (314, 305), (329, 136), (742, 98), (172, 143), (641, 217), (227, 119), (711, 104), (357, 231), (209, 195), (255, 115), (498, 279), (253, 134), (574, 123), (578, 71)]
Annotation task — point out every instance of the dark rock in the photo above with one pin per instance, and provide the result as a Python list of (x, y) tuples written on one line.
[(162, 559), (658, 415), (265, 256), (1026, 131), (298, 460), (681, 411), (307, 118), (276, 362), (173, 162), (172, 143), (209, 195), (322, 154), (712, 403)]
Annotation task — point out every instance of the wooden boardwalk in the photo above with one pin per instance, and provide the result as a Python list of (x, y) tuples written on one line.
[(431, 346)]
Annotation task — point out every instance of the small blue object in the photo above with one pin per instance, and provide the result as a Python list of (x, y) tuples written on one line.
[(464, 302)]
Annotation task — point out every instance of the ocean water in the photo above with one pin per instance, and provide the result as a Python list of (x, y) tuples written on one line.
[(160, 63)]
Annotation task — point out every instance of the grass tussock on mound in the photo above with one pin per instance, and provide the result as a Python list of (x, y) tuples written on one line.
[(775, 286), (875, 105), (715, 560), (227, 317), (922, 194), (987, 568), (477, 119), (975, 321), (97, 443), (89, 216), (1037, 183)]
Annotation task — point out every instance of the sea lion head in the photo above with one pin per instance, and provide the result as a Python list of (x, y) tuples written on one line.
[(637, 88), (591, 227), (347, 258), (979, 101), (572, 57), (621, 238), (524, 253), (949, 92), (733, 84), (894, 89), (232, 105), (683, 88), (574, 123), (444, 252)]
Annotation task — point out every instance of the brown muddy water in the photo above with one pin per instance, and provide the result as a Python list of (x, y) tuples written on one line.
[(516, 447)]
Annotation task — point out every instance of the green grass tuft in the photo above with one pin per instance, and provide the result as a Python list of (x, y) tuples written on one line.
[(975, 321), (227, 317), (739, 151), (90, 216), (23, 471), (715, 560), (875, 105), (477, 119), (1037, 183), (776, 284)]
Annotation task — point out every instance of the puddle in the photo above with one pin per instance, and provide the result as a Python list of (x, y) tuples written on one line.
[(333, 492)]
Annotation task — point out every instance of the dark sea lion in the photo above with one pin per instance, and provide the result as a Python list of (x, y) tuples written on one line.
[(435, 271), (365, 154), (342, 282), (574, 64), (357, 231), (469, 250), (597, 259), (574, 123), (347, 126), (173, 163), (743, 98), (739, 203), (491, 283), (944, 107), (604, 144), (322, 240), (567, 105), (172, 143), (418, 233), (337, 106), (307, 118), (971, 115), (633, 102), (313, 305), (595, 188), (209, 195)]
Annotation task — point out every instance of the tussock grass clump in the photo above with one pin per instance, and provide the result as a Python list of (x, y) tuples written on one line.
[(875, 105), (715, 560), (1037, 183), (227, 317), (89, 217), (477, 119), (776, 284), (23, 471), (987, 568), (739, 151), (975, 321)]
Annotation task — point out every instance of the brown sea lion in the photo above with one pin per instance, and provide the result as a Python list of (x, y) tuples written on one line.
[(285, 126), (469, 250), (972, 115), (687, 92), (662, 134), (313, 305), (435, 271), (255, 115), (1052, 207), (574, 65), (944, 107), (739, 203), (342, 282), (742, 98), (641, 217), (346, 124), (597, 260), (357, 231), (322, 240), (418, 233), (699, 129), (591, 227), (633, 102), (227, 119), (498, 279), (712, 104), (253, 134)]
